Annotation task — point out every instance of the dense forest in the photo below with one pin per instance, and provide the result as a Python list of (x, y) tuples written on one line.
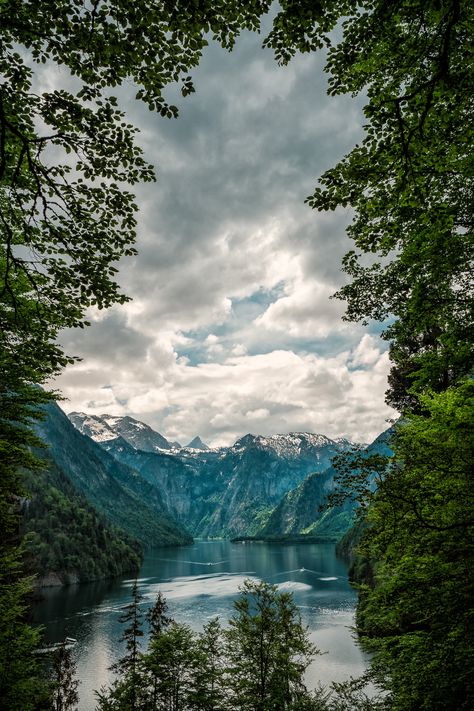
[(409, 184), (66, 540)]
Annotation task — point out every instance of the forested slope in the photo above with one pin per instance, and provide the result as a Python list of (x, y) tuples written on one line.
[(115, 490), (67, 540)]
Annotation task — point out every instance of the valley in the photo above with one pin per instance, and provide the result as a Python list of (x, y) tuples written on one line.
[(112, 488), (233, 491)]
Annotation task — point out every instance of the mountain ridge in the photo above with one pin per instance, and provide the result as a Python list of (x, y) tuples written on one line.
[(222, 491), (299, 512), (113, 488)]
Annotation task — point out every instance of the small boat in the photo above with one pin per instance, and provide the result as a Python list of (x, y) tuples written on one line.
[(68, 642)]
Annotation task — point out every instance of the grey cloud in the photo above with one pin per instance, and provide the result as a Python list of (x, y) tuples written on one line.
[(226, 220), (110, 334)]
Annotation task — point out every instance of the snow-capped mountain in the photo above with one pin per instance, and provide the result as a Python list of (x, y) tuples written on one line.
[(222, 491), (292, 445), (103, 428), (92, 426)]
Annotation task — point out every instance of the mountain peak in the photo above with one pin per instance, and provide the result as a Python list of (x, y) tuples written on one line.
[(197, 443), (291, 445), (93, 426), (104, 427)]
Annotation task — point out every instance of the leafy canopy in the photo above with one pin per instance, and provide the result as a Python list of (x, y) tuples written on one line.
[(410, 181), (66, 154)]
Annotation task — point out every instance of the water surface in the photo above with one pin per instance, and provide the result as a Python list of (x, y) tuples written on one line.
[(200, 582)]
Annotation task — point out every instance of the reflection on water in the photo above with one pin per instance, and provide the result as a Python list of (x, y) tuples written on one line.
[(200, 582)]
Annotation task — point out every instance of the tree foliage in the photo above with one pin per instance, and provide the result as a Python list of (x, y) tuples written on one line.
[(256, 664), (65, 684), (126, 692), (21, 688), (268, 649), (415, 612), (410, 181), (157, 616), (209, 683)]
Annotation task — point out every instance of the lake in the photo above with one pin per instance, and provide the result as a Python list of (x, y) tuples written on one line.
[(200, 582)]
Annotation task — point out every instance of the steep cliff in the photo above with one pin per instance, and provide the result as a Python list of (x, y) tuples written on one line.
[(114, 489), (227, 491)]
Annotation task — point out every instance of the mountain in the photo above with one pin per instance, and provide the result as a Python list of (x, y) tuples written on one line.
[(102, 428), (114, 489), (186, 478), (66, 539), (298, 512), (259, 472), (226, 491), (197, 443)]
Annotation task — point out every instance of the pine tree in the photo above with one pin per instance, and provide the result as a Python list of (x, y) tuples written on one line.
[(65, 695), (128, 664), (126, 692), (157, 617)]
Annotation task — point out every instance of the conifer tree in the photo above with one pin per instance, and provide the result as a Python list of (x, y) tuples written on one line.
[(157, 617), (65, 694), (126, 693), (131, 617), (159, 623), (128, 664)]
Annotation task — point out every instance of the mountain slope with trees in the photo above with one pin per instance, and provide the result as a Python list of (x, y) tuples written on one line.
[(66, 540), (118, 492)]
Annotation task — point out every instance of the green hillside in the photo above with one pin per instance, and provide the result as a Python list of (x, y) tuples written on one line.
[(67, 540)]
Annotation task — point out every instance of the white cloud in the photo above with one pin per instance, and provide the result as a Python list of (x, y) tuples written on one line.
[(307, 311), (261, 414), (280, 391), (226, 224), (366, 353)]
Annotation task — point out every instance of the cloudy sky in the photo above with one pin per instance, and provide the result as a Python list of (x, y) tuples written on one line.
[(231, 328)]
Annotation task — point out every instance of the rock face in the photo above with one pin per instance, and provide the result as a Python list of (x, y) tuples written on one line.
[(113, 488), (228, 491), (197, 443), (299, 510), (102, 428)]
